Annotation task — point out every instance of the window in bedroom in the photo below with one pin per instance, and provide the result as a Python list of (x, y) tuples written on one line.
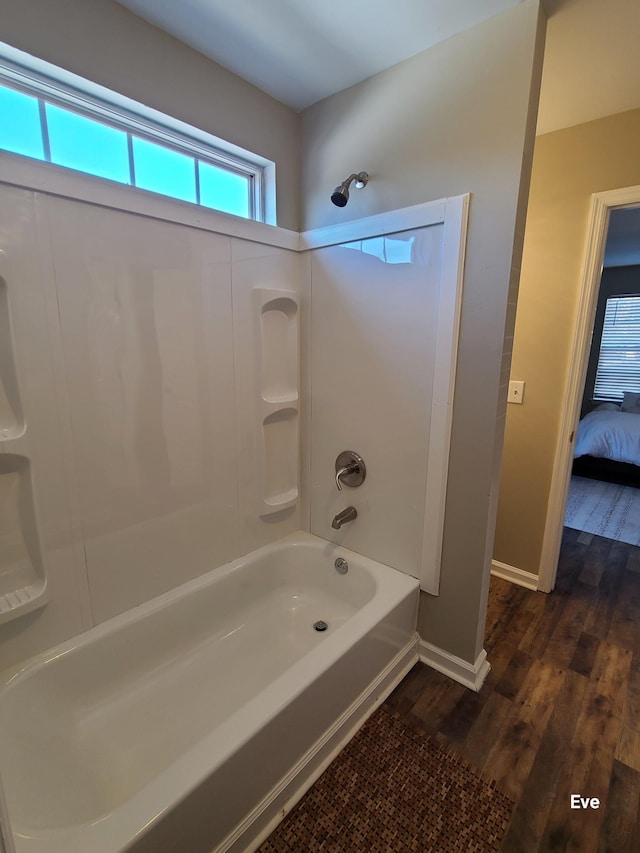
[(618, 367), (61, 119)]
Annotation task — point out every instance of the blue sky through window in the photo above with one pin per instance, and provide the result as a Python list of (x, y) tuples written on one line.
[(35, 127), (20, 124), (164, 171), (224, 190), (87, 145)]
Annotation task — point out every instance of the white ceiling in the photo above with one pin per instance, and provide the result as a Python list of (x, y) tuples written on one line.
[(301, 51)]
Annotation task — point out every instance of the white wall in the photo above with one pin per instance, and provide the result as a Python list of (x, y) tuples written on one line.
[(135, 377), (457, 118)]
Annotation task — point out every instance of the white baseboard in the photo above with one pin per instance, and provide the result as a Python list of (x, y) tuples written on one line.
[(472, 675), (514, 575), (268, 814)]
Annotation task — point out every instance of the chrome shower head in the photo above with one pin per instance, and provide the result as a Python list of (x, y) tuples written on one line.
[(340, 196)]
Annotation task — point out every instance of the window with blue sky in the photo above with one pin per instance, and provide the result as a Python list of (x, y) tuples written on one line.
[(34, 127), (223, 190), (20, 130), (164, 171), (87, 145)]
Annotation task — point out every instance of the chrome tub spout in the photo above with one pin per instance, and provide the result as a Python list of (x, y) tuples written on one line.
[(348, 514)]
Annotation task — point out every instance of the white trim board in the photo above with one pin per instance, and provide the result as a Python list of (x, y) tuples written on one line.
[(514, 575), (471, 675), (598, 223), (456, 217)]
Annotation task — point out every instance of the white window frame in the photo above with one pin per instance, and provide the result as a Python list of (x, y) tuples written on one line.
[(41, 79)]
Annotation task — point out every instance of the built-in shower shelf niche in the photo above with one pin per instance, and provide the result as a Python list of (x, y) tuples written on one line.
[(11, 419), (279, 347), (280, 433), (23, 585), (277, 372)]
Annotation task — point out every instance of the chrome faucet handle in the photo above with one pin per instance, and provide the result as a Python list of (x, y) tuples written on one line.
[(350, 469), (353, 468)]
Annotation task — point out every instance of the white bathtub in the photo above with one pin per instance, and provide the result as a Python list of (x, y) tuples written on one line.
[(194, 721)]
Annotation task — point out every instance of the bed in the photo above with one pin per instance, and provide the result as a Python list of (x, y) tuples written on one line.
[(607, 445)]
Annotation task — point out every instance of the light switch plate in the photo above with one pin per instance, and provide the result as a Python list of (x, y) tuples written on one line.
[(516, 391)]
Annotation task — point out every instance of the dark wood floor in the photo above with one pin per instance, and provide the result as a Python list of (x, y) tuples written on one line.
[(559, 713)]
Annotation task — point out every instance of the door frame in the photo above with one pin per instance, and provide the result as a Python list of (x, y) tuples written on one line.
[(598, 222)]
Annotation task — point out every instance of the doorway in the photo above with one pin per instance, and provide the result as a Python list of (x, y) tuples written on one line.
[(602, 204)]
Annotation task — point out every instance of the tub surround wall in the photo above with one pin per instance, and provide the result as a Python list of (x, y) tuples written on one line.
[(145, 312), (30, 290), (11, 417), (136, 376), (373, 337), (386, 291), (179, 392), (457, 118)]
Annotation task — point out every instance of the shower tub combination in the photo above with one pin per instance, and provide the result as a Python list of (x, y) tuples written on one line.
[(193, 722)]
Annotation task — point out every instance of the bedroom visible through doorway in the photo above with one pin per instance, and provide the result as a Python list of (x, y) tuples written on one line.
[(604, 491)]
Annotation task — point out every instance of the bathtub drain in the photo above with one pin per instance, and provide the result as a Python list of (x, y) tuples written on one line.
[(320, 625)]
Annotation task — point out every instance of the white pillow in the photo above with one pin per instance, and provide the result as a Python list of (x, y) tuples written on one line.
[(631, 402)]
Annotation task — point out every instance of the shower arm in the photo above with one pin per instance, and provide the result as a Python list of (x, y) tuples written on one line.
[(360, 178)]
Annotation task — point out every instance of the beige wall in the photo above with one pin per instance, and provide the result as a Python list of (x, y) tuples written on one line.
[(102, 41), (569, 165), (453, 119)]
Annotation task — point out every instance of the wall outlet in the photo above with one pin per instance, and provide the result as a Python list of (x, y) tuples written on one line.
[(516, 391)]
